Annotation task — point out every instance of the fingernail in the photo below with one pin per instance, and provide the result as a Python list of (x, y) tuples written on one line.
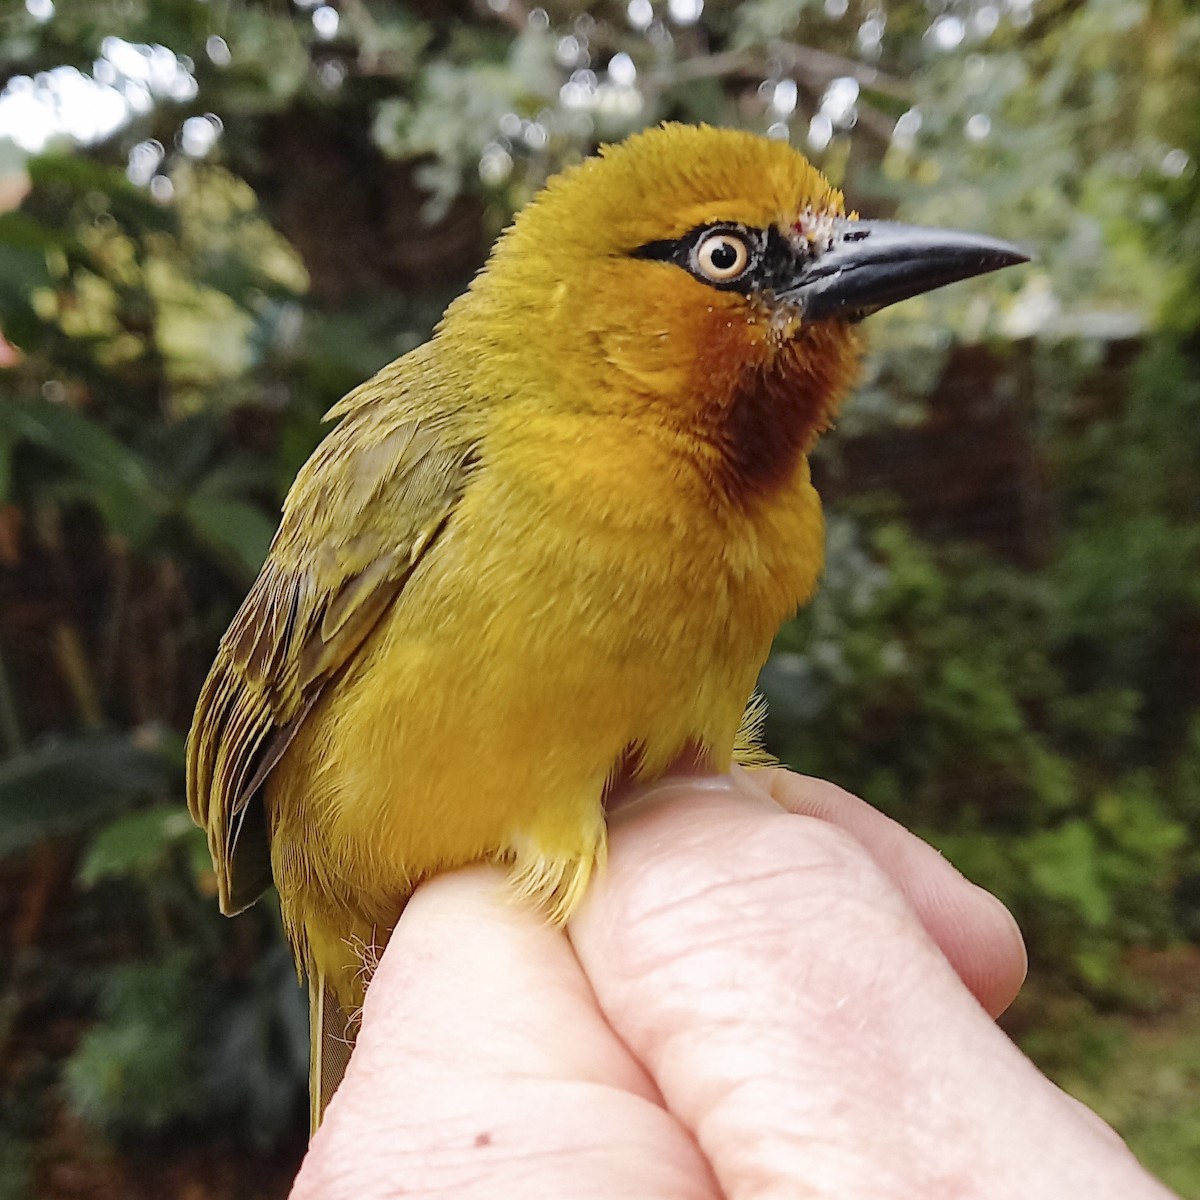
[(1010, 922)]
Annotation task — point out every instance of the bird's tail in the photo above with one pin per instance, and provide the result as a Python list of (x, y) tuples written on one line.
[(330, 1040)]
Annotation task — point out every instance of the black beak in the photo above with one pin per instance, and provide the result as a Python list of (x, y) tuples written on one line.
[(871, 264)]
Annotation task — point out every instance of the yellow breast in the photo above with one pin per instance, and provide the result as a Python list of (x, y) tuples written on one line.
[(567, 623)]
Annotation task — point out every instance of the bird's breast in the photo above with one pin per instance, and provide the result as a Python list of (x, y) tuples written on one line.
[(562, 618), (631, 551)]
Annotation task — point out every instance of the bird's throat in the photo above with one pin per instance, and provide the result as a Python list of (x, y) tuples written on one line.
[(774, 414)]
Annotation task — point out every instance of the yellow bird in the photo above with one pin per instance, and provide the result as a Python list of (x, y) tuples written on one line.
[(547, 549)]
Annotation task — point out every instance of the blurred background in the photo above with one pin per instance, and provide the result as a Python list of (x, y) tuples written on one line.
[(219, 215)]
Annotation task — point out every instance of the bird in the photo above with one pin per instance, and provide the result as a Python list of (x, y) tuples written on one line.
[(546, 552)]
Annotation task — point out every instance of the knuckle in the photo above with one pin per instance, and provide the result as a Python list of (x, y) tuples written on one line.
[(789, 905)]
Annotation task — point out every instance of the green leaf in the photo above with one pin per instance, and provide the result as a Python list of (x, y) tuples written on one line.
[(1064, 865), (8, 442), (65, 784), (23, 271), (137, 844), (235, 477), (233, 528), (137, 1068), (23, 232), (128, 204), (121, 485)]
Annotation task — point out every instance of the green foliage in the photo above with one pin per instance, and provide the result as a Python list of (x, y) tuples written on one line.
[(139, 844), (171, 1045), (1142, 1076), (183, 325), (137, 1068), (71, 783), (15, 1174), (1028, 720)]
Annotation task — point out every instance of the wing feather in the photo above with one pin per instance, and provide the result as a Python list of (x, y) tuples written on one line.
[(364, 511)]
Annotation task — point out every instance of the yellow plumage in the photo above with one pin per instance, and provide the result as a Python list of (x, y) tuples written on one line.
[(550, 547)]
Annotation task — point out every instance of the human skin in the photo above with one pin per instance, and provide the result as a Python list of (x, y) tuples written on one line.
[(771, 991)]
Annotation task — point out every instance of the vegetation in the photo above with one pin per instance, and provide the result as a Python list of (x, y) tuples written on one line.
[(221, 217)]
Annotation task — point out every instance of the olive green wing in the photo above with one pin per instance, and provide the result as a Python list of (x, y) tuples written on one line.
[(362, 514)]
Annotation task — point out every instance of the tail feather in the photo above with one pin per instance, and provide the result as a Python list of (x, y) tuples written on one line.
[(330, 1041)]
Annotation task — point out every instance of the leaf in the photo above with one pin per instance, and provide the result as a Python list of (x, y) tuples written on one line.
[(122, 487), (77, 173), (23, 232), (137, 844), (235, 477), (1064, 865), (233, 528), (23, 271), (66, 784), (137, 1067), (178, 450), (8, 443)]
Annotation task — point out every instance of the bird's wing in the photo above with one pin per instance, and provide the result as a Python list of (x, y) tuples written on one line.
[(363, 512)]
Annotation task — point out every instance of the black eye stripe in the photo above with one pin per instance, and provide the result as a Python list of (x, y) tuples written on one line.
[(680, 251), (772, 260)]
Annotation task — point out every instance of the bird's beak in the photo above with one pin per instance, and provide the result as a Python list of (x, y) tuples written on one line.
[(871, 264)]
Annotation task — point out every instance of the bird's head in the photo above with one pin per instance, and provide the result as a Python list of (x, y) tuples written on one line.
[(708, 279)]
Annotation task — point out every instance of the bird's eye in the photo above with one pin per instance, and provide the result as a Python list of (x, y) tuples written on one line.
[(721, 257)]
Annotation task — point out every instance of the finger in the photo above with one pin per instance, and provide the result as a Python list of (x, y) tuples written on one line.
[(483, 1068), (800, 1022), (973, 929)]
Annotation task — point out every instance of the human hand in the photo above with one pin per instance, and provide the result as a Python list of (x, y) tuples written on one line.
[(772, 991)]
